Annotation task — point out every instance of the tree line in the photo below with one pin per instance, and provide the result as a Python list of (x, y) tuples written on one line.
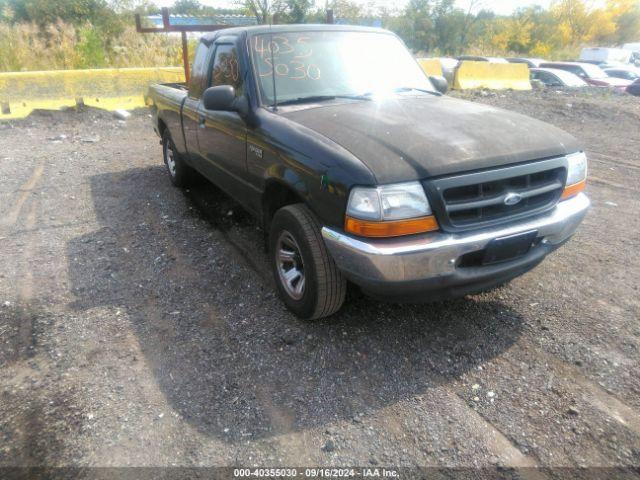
[(100, 33)]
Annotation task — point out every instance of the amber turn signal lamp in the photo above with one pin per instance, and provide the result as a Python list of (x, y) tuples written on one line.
[(573, 190), (394, 228)]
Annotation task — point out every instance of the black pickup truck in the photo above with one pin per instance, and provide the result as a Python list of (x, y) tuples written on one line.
[(360, 169)]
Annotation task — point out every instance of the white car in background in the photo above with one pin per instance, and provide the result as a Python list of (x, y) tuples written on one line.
[(635, 48), (592, 74), (626, 73), (553, 77), (606, 55)]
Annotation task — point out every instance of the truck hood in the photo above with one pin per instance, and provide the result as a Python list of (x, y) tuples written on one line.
[(410, 138)]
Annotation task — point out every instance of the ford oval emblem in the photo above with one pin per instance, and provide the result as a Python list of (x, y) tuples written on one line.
[(512, 199)]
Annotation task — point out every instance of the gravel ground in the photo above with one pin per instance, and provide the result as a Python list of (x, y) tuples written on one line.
[(139, 323)]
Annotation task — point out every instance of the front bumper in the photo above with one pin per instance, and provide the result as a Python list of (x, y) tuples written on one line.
[(429, 266)]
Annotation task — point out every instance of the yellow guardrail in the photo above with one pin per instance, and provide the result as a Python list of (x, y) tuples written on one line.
[(494, 76), (431, 66), (109, 89)]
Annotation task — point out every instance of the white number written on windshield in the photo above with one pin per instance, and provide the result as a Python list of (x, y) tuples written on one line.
[(291, 57)]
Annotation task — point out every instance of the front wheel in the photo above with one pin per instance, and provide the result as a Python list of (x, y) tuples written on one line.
[(306, 276)]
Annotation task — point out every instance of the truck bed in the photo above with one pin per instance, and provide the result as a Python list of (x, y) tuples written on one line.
[(176, 85), (160, 92), (167, 100)]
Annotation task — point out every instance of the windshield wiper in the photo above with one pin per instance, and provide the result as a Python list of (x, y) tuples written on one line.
[(413, 89), (362, 96), (322, 98)]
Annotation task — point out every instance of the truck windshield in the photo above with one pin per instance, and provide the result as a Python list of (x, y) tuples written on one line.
[(317, 65)]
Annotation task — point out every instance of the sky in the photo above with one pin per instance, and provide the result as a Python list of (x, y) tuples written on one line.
[(502, 7)]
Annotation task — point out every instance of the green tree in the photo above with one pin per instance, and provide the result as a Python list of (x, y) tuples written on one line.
[(626, 16), (415, 25), (187, 7), (90, 48), (46, 12), (297, 11), (127, 7), (452, 27), (346, 10), (263, 10)]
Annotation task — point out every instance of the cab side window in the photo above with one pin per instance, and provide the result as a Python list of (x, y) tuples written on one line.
[(198, 71), (226, 69)]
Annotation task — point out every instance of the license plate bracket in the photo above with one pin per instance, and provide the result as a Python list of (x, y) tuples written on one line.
[(508, 248)]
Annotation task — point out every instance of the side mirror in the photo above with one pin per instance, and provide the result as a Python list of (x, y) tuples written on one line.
[(221, 97), (440, 83)]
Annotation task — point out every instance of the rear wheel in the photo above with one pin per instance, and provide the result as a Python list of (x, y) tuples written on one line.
[(306, 276), (180, 174)]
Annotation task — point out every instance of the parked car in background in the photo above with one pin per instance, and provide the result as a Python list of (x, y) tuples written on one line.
[(591, 74), (626, 73), (592, 62), (616, 65), (634, 88), (600, 64), (553, 77), (475, 58), (604, 65), (606, 54), (635, 48), (531, 62)]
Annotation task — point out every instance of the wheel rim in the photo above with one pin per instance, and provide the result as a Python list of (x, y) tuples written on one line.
[(169, 156), (290, 265)]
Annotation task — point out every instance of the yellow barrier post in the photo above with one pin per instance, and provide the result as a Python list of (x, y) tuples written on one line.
[(493, 76), (109, 89), (431, 66)]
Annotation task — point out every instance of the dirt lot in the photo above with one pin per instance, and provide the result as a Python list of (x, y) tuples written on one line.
[(139, 323)]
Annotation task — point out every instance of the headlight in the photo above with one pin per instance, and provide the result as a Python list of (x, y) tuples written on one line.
[(389, 210), (576, 175), (577, 171), (389, 202)]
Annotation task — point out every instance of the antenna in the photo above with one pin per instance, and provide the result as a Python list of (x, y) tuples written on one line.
[(273, 69)]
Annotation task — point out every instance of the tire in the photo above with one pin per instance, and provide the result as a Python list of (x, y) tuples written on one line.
[(180, 174), (295, 227)]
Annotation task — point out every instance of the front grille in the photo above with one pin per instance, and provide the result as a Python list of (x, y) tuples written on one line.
[(477, 200)]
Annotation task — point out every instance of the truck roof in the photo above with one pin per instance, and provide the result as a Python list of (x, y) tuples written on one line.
[(261, 29)]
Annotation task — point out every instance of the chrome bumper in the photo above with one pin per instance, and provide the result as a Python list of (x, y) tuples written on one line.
[(434, 256)]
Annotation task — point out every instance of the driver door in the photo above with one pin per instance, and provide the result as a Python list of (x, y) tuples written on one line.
[(222, 136)]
